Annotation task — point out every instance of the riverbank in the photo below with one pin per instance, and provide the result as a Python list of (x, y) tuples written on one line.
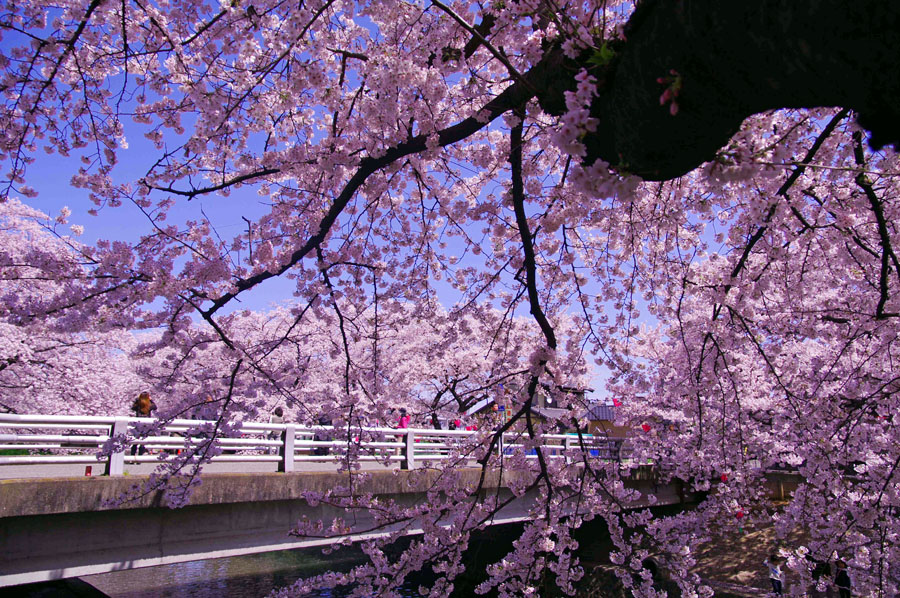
[(735, 560), (732, 565)]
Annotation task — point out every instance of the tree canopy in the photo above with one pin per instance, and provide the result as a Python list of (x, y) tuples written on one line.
[(699, 197)]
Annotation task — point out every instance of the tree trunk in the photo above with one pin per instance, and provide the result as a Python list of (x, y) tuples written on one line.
[(735, 59)]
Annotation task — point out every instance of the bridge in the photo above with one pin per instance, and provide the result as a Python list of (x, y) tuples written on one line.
[(71, 444), (54, 527)]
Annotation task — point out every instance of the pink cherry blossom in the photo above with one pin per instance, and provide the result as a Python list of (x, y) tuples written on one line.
[(396, 164)]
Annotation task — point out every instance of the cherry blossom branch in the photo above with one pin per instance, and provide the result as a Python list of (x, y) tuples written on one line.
[(93, 295), (758, 234), (785, 187), (348, 359), (209, 319), (213, 188), (633, 131), (514, 95), (202, 29), (888, 256), (530, 265), (476, 34)]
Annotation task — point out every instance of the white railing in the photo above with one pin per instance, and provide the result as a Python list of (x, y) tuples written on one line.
[(61, 439)]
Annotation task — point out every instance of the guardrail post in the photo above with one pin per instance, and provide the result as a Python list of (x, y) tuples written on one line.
[(115, 465), (409, 451), (568, 448), (286, 451)]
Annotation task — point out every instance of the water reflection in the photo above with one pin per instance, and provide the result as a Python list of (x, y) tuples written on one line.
[(258, 574), (238, 577)]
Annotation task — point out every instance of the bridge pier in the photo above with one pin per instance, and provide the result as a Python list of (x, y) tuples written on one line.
[(115, 465), (286, 450), (409, 452)]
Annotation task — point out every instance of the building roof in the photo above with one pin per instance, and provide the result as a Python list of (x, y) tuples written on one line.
[(601, 413), (549, 412), (479, 406)]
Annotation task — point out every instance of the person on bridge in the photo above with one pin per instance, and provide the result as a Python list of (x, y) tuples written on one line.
[(404, 420), (402, 424), (276, 417), (323, 436), (143, 406), (495, 418)]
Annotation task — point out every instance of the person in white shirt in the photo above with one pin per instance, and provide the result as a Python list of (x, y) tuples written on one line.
[(776, 575)]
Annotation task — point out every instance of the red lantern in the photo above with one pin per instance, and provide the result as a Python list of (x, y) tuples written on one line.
[(724, 477), (739, 514), (645, 427), (617, 402)]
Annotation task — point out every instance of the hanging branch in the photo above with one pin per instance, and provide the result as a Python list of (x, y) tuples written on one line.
[(888, 257), (530, 266)]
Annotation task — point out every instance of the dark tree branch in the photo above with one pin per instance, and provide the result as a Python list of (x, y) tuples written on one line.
[(191, 194), (530, 265), (888, 256)]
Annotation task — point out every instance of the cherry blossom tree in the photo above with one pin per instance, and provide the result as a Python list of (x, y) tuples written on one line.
[(698, 196), (48, 363), (416, 356)]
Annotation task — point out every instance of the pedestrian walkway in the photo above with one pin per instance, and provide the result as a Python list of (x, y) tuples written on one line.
[(733, 564)]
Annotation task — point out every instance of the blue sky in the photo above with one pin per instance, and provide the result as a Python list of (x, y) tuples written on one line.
[(50, 175)]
